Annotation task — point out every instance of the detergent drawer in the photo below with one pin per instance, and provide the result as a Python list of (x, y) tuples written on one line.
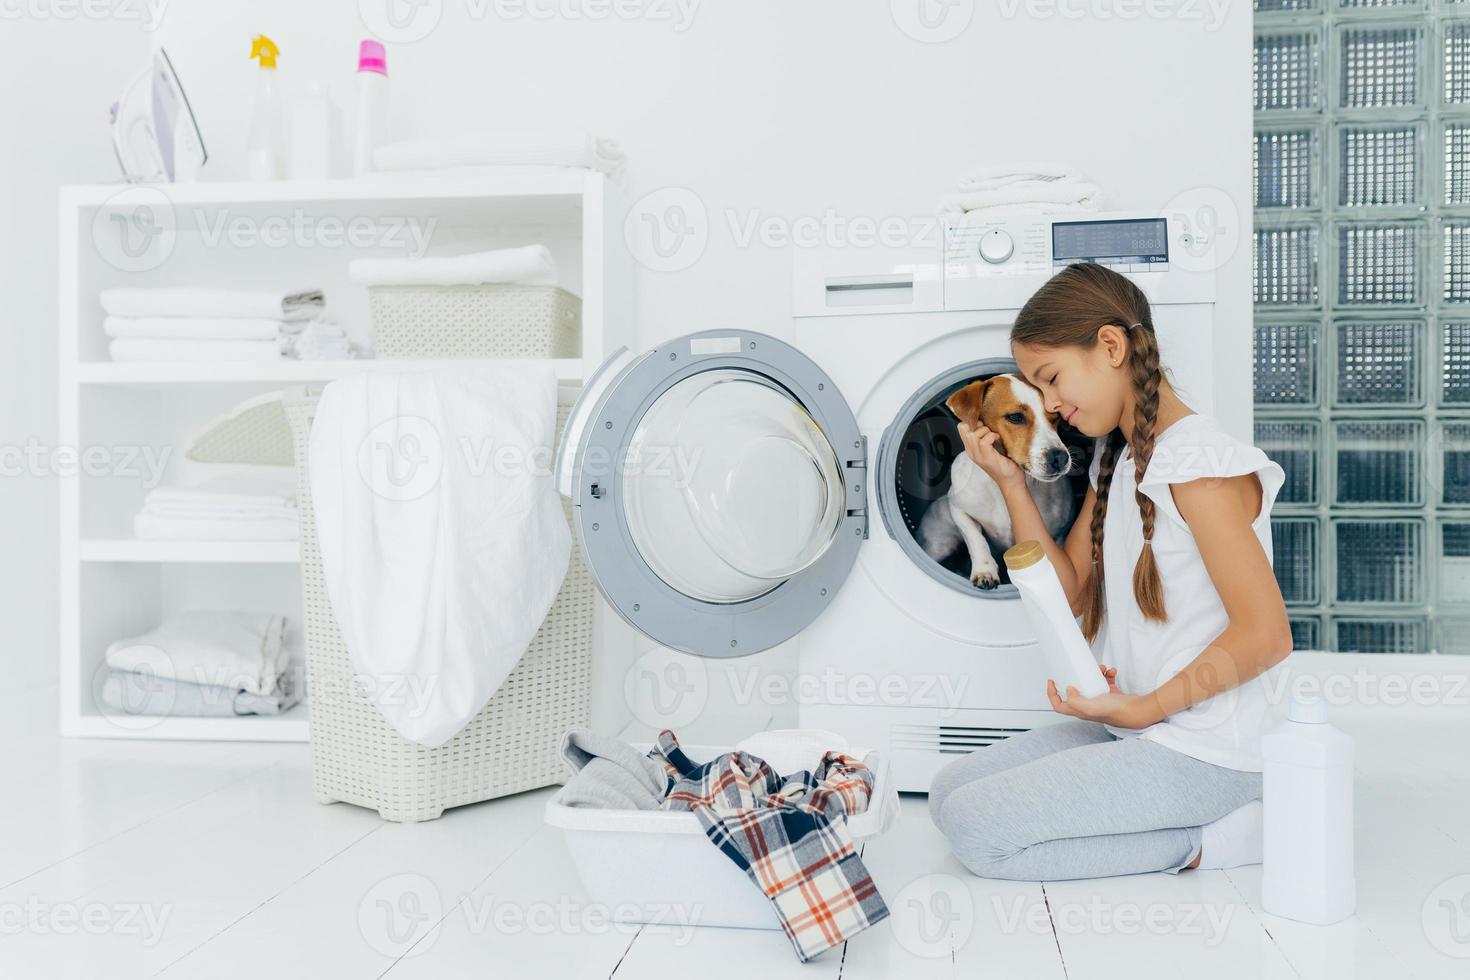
[(896, 269)]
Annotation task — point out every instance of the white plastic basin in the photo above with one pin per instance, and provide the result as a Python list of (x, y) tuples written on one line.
[(657, 867)]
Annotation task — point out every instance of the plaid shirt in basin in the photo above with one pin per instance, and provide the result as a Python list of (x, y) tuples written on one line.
[(789, 835)]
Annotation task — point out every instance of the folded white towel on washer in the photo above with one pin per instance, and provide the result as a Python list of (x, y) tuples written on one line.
[(443, 541), (175, 349), (1026, 197), (513, 148), (527, 265), (226, 648), (209, 302), (1024, 188), (990, 177), (193, 327)]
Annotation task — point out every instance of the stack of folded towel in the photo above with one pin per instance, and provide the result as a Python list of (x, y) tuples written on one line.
[(1023, 188), (255, 506), (502, 151), (197, 324), (203, 663), (527, 265)]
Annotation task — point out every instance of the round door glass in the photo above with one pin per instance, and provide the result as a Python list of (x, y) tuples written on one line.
[(730, 487)]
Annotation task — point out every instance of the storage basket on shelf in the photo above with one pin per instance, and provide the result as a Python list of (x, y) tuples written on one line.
[(488, 320), (509, 747)]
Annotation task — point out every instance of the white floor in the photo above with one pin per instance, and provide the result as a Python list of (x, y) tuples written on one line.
[(138, 859)]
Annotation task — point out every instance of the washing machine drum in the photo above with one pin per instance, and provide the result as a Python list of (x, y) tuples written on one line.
[(738, 488), (729, 504)]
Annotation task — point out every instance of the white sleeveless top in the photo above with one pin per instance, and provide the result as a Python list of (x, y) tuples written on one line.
[(1226, 729)]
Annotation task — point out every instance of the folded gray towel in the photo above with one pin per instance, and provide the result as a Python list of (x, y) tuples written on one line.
[(610, 774)]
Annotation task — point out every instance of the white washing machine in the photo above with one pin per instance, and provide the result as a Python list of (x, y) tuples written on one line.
[(733, 491)]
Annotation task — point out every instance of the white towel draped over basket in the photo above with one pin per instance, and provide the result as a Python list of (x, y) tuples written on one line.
[(443, 542)]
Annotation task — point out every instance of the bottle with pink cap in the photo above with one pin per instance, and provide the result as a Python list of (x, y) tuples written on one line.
[(371, 122)]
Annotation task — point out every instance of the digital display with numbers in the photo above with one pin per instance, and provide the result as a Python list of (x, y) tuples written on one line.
[(1133, 240)]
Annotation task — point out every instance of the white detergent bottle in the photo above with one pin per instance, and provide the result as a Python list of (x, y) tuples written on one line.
[(315, 129), (1307, 793), (264, 154), (370, 123), (1069, 659)]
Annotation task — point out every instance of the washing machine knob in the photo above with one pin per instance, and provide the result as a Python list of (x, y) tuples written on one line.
[(996, 246)]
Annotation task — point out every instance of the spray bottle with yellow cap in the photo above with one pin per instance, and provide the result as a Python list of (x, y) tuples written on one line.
[(1069, 660), (264, 150)]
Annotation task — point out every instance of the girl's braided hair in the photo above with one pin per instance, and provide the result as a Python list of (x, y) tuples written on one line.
[(1068, 311)]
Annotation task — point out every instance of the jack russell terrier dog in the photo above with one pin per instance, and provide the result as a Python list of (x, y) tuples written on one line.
[(974, 510)]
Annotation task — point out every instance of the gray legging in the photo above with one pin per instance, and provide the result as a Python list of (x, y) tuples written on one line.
[(1072, 800)]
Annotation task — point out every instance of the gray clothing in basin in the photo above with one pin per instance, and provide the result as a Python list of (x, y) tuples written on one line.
[(609, 774)]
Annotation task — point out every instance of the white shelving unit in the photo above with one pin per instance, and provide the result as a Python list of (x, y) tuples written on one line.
[(113, 585), (286, 372)]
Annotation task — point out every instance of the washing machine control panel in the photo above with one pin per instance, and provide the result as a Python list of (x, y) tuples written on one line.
[(995, 247), (976, 263), (1001, 261), (1032, 245)]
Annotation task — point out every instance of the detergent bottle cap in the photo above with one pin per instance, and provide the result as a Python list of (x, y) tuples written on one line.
[(265, 49), (371, 56), (1307, 708), (1024, 554)]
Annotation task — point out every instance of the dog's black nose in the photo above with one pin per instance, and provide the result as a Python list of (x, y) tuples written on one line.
[(1058, 460)]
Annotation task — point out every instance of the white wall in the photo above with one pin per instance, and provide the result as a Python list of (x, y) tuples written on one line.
[(780, 110), (60, 72), (763, 109)]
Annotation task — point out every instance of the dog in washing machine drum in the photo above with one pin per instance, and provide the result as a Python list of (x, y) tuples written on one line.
[(973, 512)]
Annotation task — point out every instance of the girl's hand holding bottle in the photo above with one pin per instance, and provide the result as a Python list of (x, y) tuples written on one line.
[(1113, 708)]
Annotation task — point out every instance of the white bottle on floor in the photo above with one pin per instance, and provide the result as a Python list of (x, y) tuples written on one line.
[(1307, 791)]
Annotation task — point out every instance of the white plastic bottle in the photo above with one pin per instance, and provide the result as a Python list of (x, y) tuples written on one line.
[(1307, 792), (315, 128), (264, 153), (1069, 659), (370, 124)]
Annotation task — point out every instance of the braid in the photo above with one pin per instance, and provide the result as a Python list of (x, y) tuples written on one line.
[(1068, 311), (1143, 359), (1092, 612)]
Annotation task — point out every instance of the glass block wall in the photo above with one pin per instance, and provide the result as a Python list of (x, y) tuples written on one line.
[(1362, 316)]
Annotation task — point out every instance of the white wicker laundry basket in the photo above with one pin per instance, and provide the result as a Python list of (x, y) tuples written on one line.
[(491, 320), (509, 747)]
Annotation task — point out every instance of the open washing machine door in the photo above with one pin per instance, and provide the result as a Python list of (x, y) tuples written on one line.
[(717, 490)]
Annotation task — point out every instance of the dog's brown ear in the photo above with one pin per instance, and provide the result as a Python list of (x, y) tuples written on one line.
[(966, 402)]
